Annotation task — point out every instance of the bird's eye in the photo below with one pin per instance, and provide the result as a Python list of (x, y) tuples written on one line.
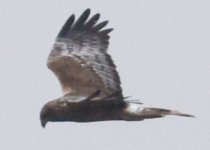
[(44, 116)]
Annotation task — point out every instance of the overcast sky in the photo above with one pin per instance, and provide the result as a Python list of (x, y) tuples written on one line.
[(162, 52)]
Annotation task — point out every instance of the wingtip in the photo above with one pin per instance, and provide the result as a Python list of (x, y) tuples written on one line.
[(84, 24), (81, 20), (66, 26), (87, 11), (106, 31), (99, 26), (97, 16)]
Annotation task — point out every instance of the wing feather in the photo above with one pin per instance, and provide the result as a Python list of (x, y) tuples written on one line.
[(79, 58), (67, 26), (92, 21), (80, 22), (100, 26)]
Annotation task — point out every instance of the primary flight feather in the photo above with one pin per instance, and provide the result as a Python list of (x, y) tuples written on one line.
[(88, 77)]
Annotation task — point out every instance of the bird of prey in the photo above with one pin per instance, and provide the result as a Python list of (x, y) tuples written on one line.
[(88, 77)]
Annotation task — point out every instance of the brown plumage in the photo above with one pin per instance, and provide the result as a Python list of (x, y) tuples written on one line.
[(88, 77)]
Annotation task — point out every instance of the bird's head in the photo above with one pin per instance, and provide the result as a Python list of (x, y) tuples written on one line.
[(59, 110), (44, 115), (48, 113)]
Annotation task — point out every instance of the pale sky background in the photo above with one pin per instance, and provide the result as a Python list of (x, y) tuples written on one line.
[(161, 49)]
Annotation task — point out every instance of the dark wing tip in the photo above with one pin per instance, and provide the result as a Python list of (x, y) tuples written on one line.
[(66, 26), (100, 26), (105, 32), (80, 22), (87, 11), (83, 24), (92, 21)]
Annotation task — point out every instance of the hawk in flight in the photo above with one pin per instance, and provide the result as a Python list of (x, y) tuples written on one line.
[(88, 77)]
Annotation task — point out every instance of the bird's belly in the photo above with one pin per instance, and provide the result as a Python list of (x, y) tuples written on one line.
[(96, 113)]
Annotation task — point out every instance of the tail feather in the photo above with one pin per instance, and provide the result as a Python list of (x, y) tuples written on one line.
[(135, 112), (164, 112)]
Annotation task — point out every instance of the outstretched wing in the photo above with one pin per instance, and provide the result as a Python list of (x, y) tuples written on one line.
[(79, 58)]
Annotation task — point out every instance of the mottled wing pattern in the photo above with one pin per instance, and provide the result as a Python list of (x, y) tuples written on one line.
[(79, 58)]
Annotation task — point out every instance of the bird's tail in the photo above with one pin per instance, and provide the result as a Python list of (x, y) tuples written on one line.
[(133, 113), (163, 112)]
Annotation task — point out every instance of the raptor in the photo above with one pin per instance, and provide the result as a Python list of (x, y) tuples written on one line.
[(88, 77)]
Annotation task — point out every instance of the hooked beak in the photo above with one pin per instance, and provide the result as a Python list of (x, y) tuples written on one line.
[(43, 123)]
